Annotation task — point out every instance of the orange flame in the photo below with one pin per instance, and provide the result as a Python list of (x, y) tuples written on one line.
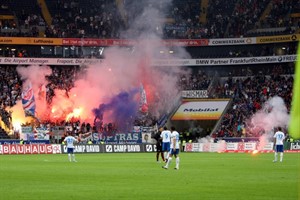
[(75, 114), (255, 152)]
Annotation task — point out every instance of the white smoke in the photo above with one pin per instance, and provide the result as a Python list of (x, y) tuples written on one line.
[(273, 114), (206, 139), (263, 123)]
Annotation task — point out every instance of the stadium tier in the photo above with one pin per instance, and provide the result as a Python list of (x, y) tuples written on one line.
[(114, 67), (116, 99)]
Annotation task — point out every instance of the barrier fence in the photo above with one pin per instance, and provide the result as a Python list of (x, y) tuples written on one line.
[(238, 147)]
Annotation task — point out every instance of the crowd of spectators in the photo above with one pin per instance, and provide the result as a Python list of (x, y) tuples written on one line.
[(238, 51), (10, 85), (278, 14), (13, 52), (21, 18), (100, 19), (233, 19), (249, 87), (218, 15), (103, 19), (242, 51), (198, 80), (62, 79), (279, 20), (249, 91), (245, 15), (10, 93), (8, 24), (106, 19), (186, 24)]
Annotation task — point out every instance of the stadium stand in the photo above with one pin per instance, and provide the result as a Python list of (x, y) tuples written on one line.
[(81, 18), (25, 19), (250, 89), (248, 86), (218, 15), (244, 16), (10, 86), (279, 17), (107, 19)]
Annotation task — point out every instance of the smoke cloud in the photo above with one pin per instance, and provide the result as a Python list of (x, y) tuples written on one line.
[(101, 87), (273, 114), (122, 108), (36, 74)]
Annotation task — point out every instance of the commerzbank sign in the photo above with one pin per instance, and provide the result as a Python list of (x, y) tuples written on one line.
[(232, 41)]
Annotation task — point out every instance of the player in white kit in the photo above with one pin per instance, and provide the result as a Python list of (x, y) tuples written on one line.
[(70, 140), (278, 143), (174, 149), (166, 138)]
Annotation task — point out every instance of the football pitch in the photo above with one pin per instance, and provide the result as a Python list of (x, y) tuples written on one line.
[(138, 176)]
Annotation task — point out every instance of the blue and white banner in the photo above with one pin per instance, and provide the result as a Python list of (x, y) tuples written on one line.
[(28, 101), (118, 138)]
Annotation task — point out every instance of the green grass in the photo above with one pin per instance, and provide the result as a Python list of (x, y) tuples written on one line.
[(138, 176)]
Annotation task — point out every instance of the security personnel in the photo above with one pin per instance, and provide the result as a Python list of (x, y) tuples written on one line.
[(180, 136), (90, 142), (21, 141), (183, 145), (187, 135)]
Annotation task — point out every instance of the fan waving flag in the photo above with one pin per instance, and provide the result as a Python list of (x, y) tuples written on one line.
[(143, 100), (28, 101)]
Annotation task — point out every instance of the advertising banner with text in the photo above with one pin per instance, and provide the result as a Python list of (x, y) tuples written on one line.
[(232, 41), (119, 42), (49, 61), (156, 62), (295, 146), (17, 149), (278, 38), (9, 149), (13, 141), (31, 41), (200, 110), (166, 42), (13, 149), (118, 138), (236, 147), (194, 94), (225, 61)]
